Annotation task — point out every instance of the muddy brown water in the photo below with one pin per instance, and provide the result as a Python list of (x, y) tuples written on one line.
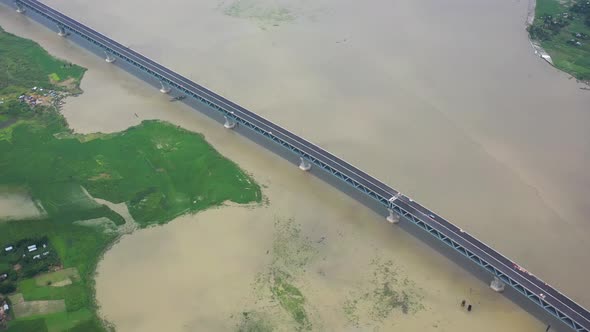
[(444, 101), (17, 204)]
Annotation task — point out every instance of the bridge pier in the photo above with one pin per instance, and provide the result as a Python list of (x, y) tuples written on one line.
[(393, 217), (164, 88), (229, 122), (61, 31), (304, 165), (109, 57), (497, 285), (19, 7)]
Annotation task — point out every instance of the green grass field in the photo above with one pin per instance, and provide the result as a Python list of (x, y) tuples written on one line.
[(53, 278), (79, 321), (157, 169), (567, 56), (25, 65)]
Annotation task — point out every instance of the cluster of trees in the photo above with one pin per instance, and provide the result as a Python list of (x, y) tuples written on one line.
[(546, 27), (29, 266), (582, 8), (32, 267), (537, 32), (14, 108), (24, 64), (8, 285)]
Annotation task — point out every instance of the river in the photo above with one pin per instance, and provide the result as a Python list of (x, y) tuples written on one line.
[(444, 101)]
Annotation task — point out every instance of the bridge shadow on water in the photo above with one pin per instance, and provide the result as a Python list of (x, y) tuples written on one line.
[(425, 237)]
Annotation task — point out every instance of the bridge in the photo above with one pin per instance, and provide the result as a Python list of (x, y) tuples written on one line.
[(398, 206)]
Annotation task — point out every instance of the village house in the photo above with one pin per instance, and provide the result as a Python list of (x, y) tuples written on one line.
[(4, 312)]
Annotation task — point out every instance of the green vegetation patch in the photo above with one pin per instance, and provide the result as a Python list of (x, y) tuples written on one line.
[(291, 253), (77, 246), (254, 322), (264, 12), (563, 29), (53, 77), (33, 325), (6, 132), (81, 320), (291, 250), (5, 266), (25, 64), (75, 295), (290, 299), (57, 277), (23, 259), (388, 292), (26, 309), (158, 170)]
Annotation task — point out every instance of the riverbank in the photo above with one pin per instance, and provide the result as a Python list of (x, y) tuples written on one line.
[(560, 35), (157, 170)]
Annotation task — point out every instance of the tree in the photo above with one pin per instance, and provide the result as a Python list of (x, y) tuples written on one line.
[(538, 33), (7, 288)]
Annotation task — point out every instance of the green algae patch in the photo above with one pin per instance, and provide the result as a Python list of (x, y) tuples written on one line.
[(387, 293), (290, 298), (157, 169), (280, 284), (253, 321), (264, 12), (291, 252)]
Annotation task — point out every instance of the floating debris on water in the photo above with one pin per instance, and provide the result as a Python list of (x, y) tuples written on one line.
[(389, 292)]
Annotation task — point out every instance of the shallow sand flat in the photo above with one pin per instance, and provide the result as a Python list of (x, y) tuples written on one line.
[(17, 206)]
